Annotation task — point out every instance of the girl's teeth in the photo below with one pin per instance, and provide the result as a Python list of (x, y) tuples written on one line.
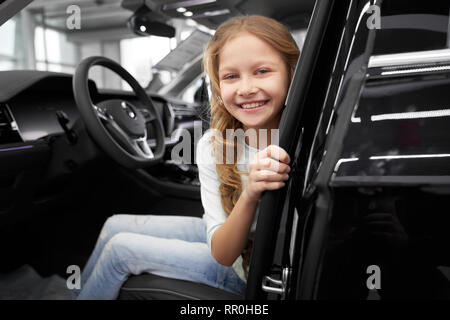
[(252, 105)]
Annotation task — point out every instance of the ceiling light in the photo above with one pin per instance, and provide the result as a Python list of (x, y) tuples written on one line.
[(143, 28), (188, 14), (181, 9), (214, 13)]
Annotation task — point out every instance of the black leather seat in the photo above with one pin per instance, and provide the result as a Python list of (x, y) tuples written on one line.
[(152, 287)]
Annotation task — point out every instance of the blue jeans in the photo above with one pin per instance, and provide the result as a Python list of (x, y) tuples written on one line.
[(168, 246)]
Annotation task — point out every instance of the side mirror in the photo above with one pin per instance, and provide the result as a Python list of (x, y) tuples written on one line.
[(143, 23)]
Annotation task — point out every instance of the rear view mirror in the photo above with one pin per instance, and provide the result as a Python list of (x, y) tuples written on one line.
[(143, 23)]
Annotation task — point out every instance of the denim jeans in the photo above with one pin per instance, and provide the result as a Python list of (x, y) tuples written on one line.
[(168, 246)]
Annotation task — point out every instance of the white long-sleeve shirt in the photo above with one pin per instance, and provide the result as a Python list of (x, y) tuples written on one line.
[(214, 215)]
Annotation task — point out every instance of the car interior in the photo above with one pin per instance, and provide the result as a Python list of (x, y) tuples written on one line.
[(60, 180), (365, 121)]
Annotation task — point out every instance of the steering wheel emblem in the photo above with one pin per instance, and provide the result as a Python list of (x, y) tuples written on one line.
[(126, 107)]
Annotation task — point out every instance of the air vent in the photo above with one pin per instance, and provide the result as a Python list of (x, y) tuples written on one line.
[(9, 132)]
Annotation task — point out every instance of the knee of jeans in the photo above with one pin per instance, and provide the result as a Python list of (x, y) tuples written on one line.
[(117, 248), (111, 227)]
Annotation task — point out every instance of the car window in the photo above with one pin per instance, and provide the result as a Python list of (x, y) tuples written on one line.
[(39, 37), (189, 93), (12, 48), (407, 26), (53, 51)]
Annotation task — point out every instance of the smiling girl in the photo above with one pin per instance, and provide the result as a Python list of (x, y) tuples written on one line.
[(250, 62)]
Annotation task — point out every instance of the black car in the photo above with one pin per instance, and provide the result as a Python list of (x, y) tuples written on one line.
[(364, 215)]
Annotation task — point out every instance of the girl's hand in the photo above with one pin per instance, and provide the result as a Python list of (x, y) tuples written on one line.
[(267, 171)]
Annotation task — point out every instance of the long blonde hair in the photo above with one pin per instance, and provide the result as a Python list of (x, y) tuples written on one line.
[(276, 35)]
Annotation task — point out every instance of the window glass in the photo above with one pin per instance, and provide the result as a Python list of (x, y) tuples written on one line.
[(8, 36), (52, 47), (412, 26), (139, 55), (11, 48), (189, 93), (53, 52), (6, 64)]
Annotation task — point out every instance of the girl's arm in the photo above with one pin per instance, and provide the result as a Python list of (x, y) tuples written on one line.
[(268, 171), (230, 239)]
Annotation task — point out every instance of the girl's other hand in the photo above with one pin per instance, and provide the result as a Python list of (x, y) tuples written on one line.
[(268, 171)]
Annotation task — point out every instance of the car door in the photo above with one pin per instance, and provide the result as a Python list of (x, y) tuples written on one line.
[(275, 265), (372, 215)]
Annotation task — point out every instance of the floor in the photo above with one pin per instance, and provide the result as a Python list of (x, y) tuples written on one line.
[(25, 283)]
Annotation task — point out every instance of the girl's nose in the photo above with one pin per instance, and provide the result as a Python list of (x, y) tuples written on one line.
[(246, 88)]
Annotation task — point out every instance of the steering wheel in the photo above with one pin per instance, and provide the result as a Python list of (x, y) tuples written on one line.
[(116, 125)]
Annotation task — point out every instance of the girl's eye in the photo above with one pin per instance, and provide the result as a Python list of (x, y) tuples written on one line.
[(262, 71), (230, 76)]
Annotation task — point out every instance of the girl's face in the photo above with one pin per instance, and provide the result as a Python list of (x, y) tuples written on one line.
[(253, 81)]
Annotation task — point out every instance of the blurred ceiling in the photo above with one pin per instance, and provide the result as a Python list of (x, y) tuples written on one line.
[(294, 13), (95, 14), (107, 14)]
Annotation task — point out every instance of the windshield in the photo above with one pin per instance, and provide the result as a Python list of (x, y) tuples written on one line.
[(45, 36), (53, 35)]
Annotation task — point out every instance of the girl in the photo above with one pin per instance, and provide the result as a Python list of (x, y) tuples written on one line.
[(250, 61)]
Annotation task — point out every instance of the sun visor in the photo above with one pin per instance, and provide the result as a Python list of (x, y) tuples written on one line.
[(185, 52)]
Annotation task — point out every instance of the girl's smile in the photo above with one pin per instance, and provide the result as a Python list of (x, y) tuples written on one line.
[(253, 106), (253, 86)]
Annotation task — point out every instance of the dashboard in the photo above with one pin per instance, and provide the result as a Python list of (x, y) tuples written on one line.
[(31, 100), (36, 157)]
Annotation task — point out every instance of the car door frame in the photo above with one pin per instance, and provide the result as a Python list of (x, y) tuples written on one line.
[(320, 79), (293, 138)]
